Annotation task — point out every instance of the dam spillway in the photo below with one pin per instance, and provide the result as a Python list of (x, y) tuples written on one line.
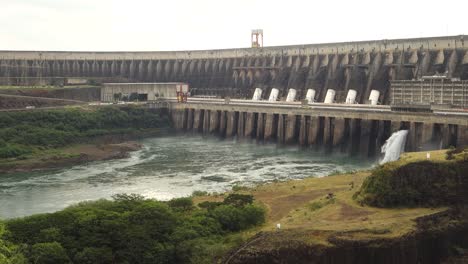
[(356, 130), (360, 66)]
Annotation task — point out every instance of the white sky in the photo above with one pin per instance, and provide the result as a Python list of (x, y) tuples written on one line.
[(145, 25)]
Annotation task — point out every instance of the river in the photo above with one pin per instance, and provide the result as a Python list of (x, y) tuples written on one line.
[(166, 167)]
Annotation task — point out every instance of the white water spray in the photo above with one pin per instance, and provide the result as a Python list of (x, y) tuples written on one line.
[(394, 146)]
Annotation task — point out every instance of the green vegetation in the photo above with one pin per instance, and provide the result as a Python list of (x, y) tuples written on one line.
[(422, 183), (131, 229), (23, 133)]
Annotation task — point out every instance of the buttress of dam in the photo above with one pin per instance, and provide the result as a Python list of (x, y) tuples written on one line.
[(360, 66)]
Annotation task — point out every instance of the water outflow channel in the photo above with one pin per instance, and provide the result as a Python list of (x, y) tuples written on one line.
[(165, 168)]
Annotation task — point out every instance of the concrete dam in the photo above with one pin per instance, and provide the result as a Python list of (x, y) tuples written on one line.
[(368, 68), (362, 66)]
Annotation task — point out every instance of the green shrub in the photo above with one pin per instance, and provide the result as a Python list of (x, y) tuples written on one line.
[(238, 200), (131, 229), (183, 204), (422, 183), (49, 253)]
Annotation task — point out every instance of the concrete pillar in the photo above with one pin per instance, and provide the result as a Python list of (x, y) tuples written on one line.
[(303, 131), (249, 124), (190, 119), (427, 136), (222, 123), (327, 133), (445, 131), (197, 120), (313, 130), (241, 125), (338, 132), (290, 129), (214, 121), (281, 128), (270, 127), (395, 126), (185, 114), (365, 137), (462, 136), (260, 126), (231, 126), (411, 139), (206, 121)]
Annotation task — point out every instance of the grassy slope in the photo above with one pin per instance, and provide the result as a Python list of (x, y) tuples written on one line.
[(302, 208)]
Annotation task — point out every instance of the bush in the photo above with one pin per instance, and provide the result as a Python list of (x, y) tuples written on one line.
[(422, 183), (13, 151), (131, 229), (183, 204), (49, 253), (238, 200)]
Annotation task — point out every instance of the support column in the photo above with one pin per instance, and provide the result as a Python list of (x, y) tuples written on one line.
[(327, 133), (365, 137), (231, 126), (313, 130), (190, 119), (222, 123), (206, 121), (290, 129), (355, 136), (260, 126), (270, 127), (427, 136), (462, 136), (281, 128), (338, 132), (197, 120), (241, 125), (214, 121), (395, 126), (185, 114), (303, 131), (249, 124)]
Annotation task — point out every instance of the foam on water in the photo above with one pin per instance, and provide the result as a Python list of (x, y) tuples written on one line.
[(165, 168)]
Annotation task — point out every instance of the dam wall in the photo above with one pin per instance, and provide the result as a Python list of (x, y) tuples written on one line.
[(362, 66), (333, 130)]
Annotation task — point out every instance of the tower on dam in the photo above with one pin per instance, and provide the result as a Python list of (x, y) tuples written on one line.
[(361, 66)]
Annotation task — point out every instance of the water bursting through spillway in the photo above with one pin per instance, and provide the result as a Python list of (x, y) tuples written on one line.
[(165, 168), (394, 146)]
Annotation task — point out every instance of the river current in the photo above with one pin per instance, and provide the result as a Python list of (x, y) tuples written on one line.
[(166, 167)]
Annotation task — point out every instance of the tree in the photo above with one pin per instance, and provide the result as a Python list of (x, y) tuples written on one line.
[(238, 200), (49, 253), (183, 204)]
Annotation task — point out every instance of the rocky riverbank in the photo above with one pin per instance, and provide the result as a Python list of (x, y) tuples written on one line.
[(70, 156)]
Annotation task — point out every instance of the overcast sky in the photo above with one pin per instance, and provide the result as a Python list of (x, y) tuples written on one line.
[(145, 25)]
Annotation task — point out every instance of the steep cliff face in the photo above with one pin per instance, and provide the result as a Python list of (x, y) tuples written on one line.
[(435, 239)]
